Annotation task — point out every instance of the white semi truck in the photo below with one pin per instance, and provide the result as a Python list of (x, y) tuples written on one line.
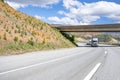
[(94, 42)]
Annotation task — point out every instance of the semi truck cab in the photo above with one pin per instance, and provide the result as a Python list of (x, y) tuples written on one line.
[(94, 42)]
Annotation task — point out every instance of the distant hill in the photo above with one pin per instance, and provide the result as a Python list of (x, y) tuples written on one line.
[(114, 34), (57, 25), (20, 33)]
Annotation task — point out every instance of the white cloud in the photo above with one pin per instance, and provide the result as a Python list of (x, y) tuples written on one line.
[(68, 4), (16, 5), (61, 12), (86, 13), (118, 22), (39, 17), (75, 12), (65, 20), (114, 17), (40, 3)]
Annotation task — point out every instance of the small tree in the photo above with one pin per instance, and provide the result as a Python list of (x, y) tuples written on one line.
[(15, 39)]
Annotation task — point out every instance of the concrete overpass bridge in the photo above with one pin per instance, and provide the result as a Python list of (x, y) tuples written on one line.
[(90, 28)]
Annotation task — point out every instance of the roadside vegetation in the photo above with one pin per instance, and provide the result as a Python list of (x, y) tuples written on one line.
[(21, 48), (70, 37)]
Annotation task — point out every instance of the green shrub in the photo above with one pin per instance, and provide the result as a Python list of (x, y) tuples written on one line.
[(15, 39), (6, 30), (15, 31), (21, 41), (69, 37), (31, 38), (21, 35), (4, 26), (19, 31), (30, 42), (33, 33), (12, 27), (0, 36), (9, 32), (2, 0), (5, 38)]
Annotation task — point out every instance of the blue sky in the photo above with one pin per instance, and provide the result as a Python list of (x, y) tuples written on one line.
[(71, 12)]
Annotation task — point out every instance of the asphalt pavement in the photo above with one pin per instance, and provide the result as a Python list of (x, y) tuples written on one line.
[(81, 63)]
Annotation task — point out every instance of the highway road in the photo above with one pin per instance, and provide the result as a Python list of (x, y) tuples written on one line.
[(81, 63)]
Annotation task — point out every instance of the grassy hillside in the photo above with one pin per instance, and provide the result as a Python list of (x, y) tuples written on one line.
[(20, 33)]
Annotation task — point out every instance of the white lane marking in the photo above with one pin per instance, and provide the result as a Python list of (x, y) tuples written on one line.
[(89, 76), (106, 52), (30, 66)]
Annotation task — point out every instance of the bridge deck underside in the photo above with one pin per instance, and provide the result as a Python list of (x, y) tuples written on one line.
[(90, 28)]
